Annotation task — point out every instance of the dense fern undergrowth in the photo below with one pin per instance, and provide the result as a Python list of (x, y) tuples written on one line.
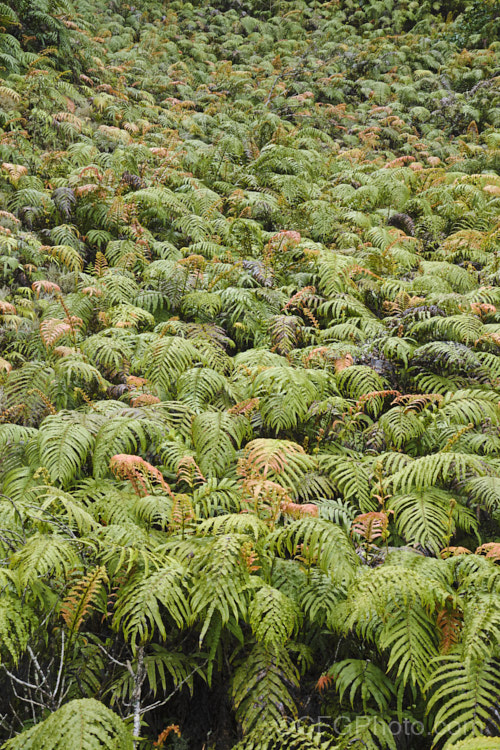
[(250, 375)]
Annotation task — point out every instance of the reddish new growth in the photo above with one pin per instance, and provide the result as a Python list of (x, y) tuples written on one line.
[(163, 736), (370, 525), (490, 549), (298, 510), (449, 624), (49, 287), (324, 682), (136, 470)]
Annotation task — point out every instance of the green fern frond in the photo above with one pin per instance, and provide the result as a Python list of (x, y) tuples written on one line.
[(428, 517), (170, 357), (138, 613), (319, 541), (273, 616), (363, 679), (260, 688), (84, 723), (216, 435), (17, 624), (462, 694), (438, 467), (351, 478), (288, 735), (219, 591), (369, 733), (64, 446), (42, 555), (477, 743)]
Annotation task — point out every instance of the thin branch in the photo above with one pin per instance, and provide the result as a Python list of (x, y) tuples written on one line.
[(174, 691), (61, 663)]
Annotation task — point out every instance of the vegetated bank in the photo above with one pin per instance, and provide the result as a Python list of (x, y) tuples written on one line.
[(249, 375)]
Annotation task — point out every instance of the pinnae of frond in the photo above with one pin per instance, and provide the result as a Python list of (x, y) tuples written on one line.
[(136, 470)]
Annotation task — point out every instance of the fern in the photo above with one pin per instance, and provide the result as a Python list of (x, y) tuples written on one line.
[(17, 625), (84, 723), (64, 446), (215, 437), (260, 691), (428, 517), (462, 694), (273, 617), (363, 678), (138, 612), (79, 600), (43, 555)]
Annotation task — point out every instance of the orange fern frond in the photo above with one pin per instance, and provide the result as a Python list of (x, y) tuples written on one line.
[(15, 172), (454, 552), (417, 401), (92, 291), (449, 623), (298, 510), (144, 399), (53, 329), (324, 682), (375, 394), (136, 470), (188, 471), (135, 382), (371, 525), (5, 366), (49, 287), (163, 736), (6, 308), (249, 557), (490, 549), (81, 599), (182, 511), (245, 407)]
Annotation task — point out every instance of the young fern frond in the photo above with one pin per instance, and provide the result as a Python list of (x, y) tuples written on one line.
[(81, 598)]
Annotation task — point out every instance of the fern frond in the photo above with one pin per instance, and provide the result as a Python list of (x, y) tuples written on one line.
[(319, 541), (463, 694), (428, 517), (42, 555), (64, 445), (363, 679), (138, 613), (438, 467), (79, 601), (216, 435), (260, 687), (17, 623), (84, 723), (273, 616)]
